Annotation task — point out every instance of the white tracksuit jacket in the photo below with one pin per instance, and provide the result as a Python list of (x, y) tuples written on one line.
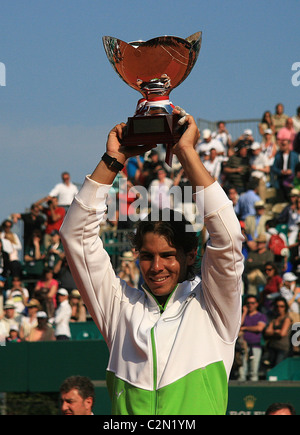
[(178, 361)]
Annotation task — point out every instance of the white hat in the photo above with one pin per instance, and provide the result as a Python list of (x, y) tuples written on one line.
[(289, 276), (63, 292), (127, 256), (206, 133), (248, 132), (255, 146), (268, 131), (41, 315)]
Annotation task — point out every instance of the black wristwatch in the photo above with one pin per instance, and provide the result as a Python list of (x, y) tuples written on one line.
[(112, 162)]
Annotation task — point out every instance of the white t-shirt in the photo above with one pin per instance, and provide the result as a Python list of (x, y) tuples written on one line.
[(64, 193)]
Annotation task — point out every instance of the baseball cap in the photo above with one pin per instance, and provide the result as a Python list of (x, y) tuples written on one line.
[(206, 133), (289, 276), (42, 315), (63, 292), (255, 146)]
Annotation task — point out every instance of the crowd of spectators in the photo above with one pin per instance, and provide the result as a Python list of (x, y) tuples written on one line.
[(38, 297)]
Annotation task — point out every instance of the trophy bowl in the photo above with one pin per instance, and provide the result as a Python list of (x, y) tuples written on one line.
[(153, 68)]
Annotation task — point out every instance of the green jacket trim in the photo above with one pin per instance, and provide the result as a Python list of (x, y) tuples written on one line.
[(201, 392)]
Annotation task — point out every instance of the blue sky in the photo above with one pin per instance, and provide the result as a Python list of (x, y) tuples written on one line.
[(62, 96)]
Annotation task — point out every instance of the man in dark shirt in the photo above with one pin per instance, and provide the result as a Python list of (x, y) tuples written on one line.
[(32, 221), (237, 169), (150, 168)]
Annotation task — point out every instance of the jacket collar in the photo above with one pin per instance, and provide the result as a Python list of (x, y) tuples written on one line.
[(181, 292)]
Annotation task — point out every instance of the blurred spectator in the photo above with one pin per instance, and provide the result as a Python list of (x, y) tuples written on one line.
[(296, 180), (150, 168), (293, 221), (32, 221), (278, 244), (213, 165), (237, 169), (126, 196), (296, 144), (16, 246), (284, 216), (233, 196), (183, 199), (63, 275), (64, 191), (287, 133), (78, 307), (246, 139), (13, 336), (245, 205), (255, 225), (134, 166), (62, 316), (129, 272), (279, 118), (18, 294), (267, 124), (295, 257), (34, 256), (4, 261), (271, 289), (54, 214), (291, 293), (159, 190), (208, 143), (223, 136), (283, 170), (30, 321), (45, 292), (55, 251), (2, 287), (260, 168), (255, 265), (43, 331), (277, 334), (252, 325), (268, 146), (11, 317), (296, 120)]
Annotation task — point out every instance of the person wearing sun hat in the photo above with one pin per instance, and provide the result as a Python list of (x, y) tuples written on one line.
[(78, 308), (291, 292), (30, 321), (129, 271)]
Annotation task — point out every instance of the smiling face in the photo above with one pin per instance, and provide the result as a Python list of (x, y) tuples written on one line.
[(162, 265)]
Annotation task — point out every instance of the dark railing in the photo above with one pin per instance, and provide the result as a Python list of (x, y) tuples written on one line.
[(234, 127)]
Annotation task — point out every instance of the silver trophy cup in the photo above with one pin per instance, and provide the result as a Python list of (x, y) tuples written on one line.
[(153, 68)]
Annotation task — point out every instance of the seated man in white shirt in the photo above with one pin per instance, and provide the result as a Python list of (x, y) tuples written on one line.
[(208, 143)]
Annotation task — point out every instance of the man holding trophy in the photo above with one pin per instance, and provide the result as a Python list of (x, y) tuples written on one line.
[(171, 344)]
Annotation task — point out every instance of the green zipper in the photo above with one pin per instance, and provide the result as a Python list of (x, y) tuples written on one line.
[(154, 355)]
